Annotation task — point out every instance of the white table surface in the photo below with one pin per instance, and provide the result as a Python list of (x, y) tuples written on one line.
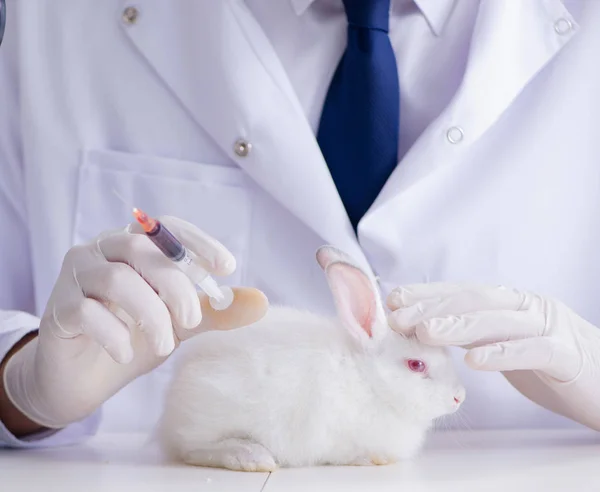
[(507, 461)]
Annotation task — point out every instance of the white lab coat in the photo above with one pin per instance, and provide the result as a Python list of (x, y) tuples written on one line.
[(153, 109)]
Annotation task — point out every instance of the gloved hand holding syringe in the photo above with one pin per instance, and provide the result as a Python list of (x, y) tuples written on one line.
[(118, 310), (220, 298)]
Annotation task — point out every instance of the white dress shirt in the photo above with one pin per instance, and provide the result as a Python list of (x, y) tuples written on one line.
[(430, 37), (154, 107)]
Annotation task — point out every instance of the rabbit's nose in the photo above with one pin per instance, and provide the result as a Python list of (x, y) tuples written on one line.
[(459, 396)]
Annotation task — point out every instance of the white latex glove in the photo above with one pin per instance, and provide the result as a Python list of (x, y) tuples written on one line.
[(84, 353), (545, 350)]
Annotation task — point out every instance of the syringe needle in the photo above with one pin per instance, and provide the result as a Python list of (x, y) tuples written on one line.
[(122, 199)]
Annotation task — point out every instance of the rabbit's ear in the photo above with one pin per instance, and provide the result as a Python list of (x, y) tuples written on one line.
[(326, 255), (357, 302)]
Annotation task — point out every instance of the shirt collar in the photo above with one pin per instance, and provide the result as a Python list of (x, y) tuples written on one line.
[(436, 12)]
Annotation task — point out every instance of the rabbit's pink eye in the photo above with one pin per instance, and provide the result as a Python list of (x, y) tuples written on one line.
[(416, 365)]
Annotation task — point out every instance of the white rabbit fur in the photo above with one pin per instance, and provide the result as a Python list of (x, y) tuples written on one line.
[(299, 389)]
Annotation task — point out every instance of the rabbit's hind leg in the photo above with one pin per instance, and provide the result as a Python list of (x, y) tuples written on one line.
[(233, 454)]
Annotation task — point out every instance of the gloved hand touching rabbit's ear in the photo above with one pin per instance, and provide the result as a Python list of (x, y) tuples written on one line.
[(117, 311), (545, 350)]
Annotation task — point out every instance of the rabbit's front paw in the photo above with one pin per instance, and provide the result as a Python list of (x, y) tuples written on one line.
[(381, 460), (250, 458), (234, 454), (373, 459)]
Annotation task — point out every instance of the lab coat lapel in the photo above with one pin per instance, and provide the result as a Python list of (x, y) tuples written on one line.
[(512, 42), (217, 61)]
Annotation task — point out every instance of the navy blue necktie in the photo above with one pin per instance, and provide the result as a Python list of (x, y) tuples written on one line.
[(359, 129)]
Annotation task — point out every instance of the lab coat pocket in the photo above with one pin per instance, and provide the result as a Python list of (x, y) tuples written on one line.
[(215, 198)]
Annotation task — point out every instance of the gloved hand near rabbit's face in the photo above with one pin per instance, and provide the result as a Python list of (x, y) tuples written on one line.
[(545, 350)]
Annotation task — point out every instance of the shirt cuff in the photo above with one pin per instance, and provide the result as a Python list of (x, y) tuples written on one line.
[(73, 434)]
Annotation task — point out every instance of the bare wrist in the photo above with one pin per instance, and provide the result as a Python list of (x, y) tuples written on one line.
[(16, 423)]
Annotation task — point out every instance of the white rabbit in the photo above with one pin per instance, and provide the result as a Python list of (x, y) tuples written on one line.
[(299, 389)]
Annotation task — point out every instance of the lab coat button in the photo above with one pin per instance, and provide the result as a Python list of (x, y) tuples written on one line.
[(563, 26), (130, 15), (242, 148), (455, 134)]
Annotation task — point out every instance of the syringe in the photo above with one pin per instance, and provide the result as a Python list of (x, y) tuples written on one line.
[(220, 298)]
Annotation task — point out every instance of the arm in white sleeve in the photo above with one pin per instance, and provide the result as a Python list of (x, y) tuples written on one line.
[(16, 279)]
